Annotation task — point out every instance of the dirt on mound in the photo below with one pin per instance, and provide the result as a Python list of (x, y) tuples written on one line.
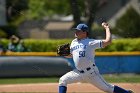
[(53, 87)]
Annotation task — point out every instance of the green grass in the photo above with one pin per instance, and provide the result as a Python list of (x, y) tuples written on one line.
[(28, 80), (125, 78)]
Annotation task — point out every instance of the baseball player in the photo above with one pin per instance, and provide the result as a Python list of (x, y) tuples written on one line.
[(82, 51)]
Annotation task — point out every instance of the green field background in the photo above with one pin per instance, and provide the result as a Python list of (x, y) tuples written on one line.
[(112, 78)]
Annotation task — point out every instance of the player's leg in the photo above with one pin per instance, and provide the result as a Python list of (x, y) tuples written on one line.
[(70, 77), (96, 79), (121, 90)]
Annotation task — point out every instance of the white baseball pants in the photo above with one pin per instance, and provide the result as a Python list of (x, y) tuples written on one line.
[(92, 76)]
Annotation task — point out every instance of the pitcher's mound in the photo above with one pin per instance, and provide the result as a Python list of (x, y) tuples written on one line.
[(53, 87)]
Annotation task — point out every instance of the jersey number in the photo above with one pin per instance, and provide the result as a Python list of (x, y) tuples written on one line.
[(81, 53)]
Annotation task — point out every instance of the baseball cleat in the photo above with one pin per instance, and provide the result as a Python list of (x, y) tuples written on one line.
[(130, 91)]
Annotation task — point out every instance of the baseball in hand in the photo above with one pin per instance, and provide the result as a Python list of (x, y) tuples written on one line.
[(105, 25)]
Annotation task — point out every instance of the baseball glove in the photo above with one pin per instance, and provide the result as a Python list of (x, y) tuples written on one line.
[(63, 50)]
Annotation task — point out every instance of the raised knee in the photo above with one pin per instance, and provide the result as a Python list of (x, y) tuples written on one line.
[(62, 82)]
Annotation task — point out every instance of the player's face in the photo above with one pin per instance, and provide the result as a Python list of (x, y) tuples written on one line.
[(80, 34)]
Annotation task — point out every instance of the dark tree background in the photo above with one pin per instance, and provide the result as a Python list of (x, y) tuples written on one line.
[(128, 26), (20, 10), (89, 12)]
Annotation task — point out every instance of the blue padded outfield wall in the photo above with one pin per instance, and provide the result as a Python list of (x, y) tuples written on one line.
[(116, 64), (36, 66)]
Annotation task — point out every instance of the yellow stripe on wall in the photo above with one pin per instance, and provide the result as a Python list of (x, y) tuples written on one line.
[(117, 53), (30, 54)]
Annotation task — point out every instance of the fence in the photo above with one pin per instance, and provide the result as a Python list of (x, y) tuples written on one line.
[(48, 64)]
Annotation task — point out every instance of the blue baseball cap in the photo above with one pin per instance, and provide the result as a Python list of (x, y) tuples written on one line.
[(82, 27)]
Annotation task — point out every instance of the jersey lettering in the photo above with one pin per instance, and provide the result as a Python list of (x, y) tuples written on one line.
[(78, 46)]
